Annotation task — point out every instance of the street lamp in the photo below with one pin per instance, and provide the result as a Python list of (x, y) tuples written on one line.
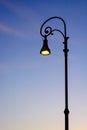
[(46, 51)]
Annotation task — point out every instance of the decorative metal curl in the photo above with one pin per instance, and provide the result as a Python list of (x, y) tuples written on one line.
[(49, 31)]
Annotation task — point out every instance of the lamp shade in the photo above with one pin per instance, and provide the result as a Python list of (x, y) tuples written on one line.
[(45, 49)]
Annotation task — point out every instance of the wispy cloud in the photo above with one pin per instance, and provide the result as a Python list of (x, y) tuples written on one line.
[(28, 18), (10, 5), (10, 30), (20, 9)]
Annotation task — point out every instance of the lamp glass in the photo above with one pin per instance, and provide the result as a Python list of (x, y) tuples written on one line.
[(45, 52)]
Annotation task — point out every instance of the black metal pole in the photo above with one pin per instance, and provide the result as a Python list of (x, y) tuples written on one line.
[(49, 31), (66, 111)]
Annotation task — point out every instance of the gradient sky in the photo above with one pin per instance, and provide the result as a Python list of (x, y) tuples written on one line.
[(32, 86)]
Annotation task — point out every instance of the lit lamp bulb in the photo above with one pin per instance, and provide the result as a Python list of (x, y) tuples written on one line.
[(45, 49)]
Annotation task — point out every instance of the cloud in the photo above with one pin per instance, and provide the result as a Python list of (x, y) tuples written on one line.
[(26, 15), (11, 6), (20, 9), (9, 30)]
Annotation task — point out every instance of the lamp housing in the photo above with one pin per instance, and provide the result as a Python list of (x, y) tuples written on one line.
[(45, 49)]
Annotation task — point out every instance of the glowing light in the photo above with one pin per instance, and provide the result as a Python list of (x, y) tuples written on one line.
[(45, 52)]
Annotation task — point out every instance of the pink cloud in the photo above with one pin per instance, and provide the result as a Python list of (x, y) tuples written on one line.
[(21, 10), (11, 6), (9, 30), (26, 14)]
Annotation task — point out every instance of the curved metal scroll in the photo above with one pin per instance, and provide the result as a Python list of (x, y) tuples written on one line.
[(49, 31)]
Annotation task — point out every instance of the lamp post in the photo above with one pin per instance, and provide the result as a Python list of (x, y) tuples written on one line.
[(46, 51)]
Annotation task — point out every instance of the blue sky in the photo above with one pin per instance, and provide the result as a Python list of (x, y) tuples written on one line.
[(32, 86)]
